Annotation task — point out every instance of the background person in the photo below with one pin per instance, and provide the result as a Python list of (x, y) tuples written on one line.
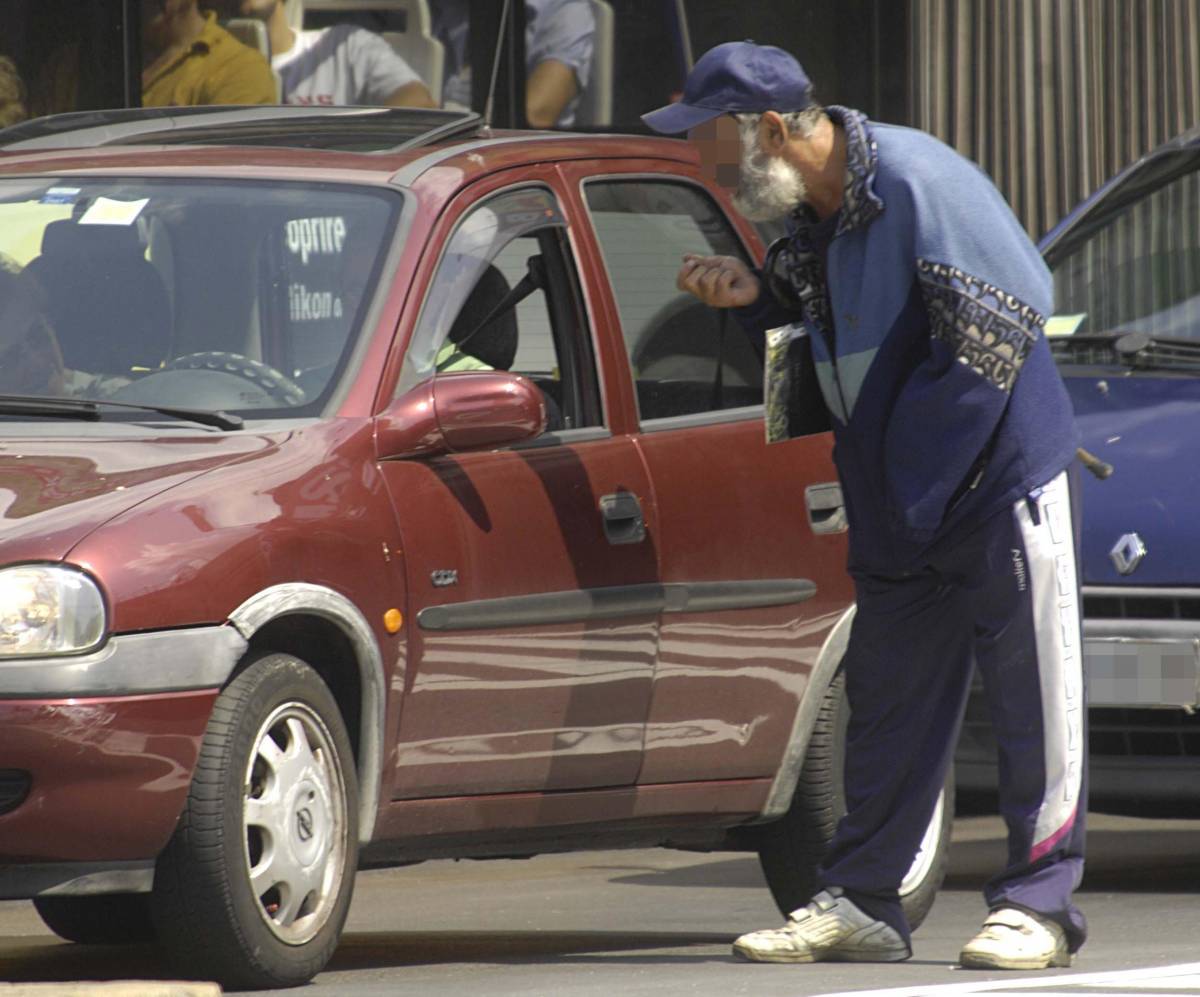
[(12, 94), (344, 64), (30, 360), (559, 38), (190, 59), (923, 303)]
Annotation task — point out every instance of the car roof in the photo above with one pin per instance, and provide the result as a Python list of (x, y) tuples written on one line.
[(333, 144)]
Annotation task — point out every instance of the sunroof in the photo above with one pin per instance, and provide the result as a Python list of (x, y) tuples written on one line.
[(347, 129)]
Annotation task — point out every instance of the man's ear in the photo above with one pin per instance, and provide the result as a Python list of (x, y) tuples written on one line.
[(772, 132)]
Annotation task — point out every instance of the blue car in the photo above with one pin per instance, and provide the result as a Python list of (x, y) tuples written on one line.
[(1126, 334)]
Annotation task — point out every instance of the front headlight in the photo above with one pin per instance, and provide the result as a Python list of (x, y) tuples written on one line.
[(46, 609)]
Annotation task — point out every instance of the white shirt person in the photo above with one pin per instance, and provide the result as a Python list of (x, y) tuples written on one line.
[(559, 42), (343, 64), (346, 64)]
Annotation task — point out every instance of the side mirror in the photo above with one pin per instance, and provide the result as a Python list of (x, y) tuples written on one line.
[(473, 410)]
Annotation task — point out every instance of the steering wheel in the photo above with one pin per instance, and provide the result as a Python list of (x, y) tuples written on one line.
[(278, 386)]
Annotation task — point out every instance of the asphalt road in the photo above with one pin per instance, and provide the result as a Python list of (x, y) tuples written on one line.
[(660, 923)]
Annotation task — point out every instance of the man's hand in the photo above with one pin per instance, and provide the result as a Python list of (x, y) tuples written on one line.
[(719, 281)]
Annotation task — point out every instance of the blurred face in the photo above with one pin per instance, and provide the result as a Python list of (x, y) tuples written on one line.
[(770, 187), (719, 143), (763, 187)]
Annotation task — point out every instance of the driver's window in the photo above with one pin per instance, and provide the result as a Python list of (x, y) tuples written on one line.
[(686, 358), (504, 298)]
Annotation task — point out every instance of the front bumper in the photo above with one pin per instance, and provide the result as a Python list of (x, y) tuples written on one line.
[(98, 752), (129, 665)]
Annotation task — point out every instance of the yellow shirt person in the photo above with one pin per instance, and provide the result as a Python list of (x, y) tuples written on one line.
[(215, 69), (451, 360)]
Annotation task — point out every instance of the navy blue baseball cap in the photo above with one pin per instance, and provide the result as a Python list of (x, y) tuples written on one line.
[(734, 78)]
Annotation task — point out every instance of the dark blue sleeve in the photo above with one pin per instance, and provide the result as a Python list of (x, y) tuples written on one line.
[(766, 313), (986, 292)]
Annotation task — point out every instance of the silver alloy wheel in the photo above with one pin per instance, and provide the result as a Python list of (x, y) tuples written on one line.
[(294, 823), (927, 851)]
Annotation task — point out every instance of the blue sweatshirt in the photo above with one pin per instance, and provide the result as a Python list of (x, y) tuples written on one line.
[(925, 315)]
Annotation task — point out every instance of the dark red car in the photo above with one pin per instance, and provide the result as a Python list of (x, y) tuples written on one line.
[(371, 494)]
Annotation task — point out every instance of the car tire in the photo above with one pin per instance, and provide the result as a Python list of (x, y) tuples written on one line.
[(791, 849), (104, 919), (253, 888)]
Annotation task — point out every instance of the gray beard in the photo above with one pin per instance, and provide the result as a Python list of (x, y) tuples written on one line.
[(769, 187)]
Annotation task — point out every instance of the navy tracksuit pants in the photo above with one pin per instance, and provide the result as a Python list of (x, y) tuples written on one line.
[(1005, 599)]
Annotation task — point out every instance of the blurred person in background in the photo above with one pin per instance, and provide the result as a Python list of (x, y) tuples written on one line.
[(559, 39), (343, 64), (188, 58), (30, 360), (12, 94)]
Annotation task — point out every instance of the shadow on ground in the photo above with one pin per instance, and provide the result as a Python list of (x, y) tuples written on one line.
[(43, 961), (404, 948), (1161, 860)]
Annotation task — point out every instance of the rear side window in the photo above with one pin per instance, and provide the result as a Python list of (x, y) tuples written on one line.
[(686, 358)]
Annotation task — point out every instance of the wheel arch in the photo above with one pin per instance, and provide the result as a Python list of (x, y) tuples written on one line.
[(268, 619), (829, 660)]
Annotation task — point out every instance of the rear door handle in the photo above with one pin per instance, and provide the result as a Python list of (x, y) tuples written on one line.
[(622, 516), (826, 508)]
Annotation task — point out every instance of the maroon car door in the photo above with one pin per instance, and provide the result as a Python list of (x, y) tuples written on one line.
[(751, 531), (532, 603)]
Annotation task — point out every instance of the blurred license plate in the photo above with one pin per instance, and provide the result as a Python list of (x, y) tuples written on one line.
[(1123, 672)]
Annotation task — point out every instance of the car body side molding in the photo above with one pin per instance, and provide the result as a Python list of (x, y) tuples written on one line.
[(615, 601), (317, 600)]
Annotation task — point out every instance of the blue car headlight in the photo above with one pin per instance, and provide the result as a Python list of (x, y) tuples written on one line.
[(47, 609)]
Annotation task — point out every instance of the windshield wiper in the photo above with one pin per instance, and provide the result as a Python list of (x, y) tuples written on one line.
[(60, 408), (1142, 350), (1138, 350), (88, 410)]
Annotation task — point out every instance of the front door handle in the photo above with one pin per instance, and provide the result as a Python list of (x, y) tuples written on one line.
[(826, 508), (622, 517)]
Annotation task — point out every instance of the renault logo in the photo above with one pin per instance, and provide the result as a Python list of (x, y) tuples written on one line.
[(1127, 554)]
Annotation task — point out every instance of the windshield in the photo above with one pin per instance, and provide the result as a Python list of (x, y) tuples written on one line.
[(1138, 272), (238, 296)]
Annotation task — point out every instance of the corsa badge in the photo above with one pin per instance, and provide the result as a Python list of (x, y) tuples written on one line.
[(1127, 553)]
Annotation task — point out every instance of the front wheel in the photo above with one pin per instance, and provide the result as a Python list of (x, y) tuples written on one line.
[(791, 849), (254, 886)]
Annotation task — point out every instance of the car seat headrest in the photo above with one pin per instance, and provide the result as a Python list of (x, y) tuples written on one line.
[(106, 303), (496, 343), (67, 237)]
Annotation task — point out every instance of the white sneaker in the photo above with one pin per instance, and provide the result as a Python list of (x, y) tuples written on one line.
[(831, 929), (1016, 939)]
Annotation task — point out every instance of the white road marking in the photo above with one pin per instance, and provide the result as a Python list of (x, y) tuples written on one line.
[(1185, 976)]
